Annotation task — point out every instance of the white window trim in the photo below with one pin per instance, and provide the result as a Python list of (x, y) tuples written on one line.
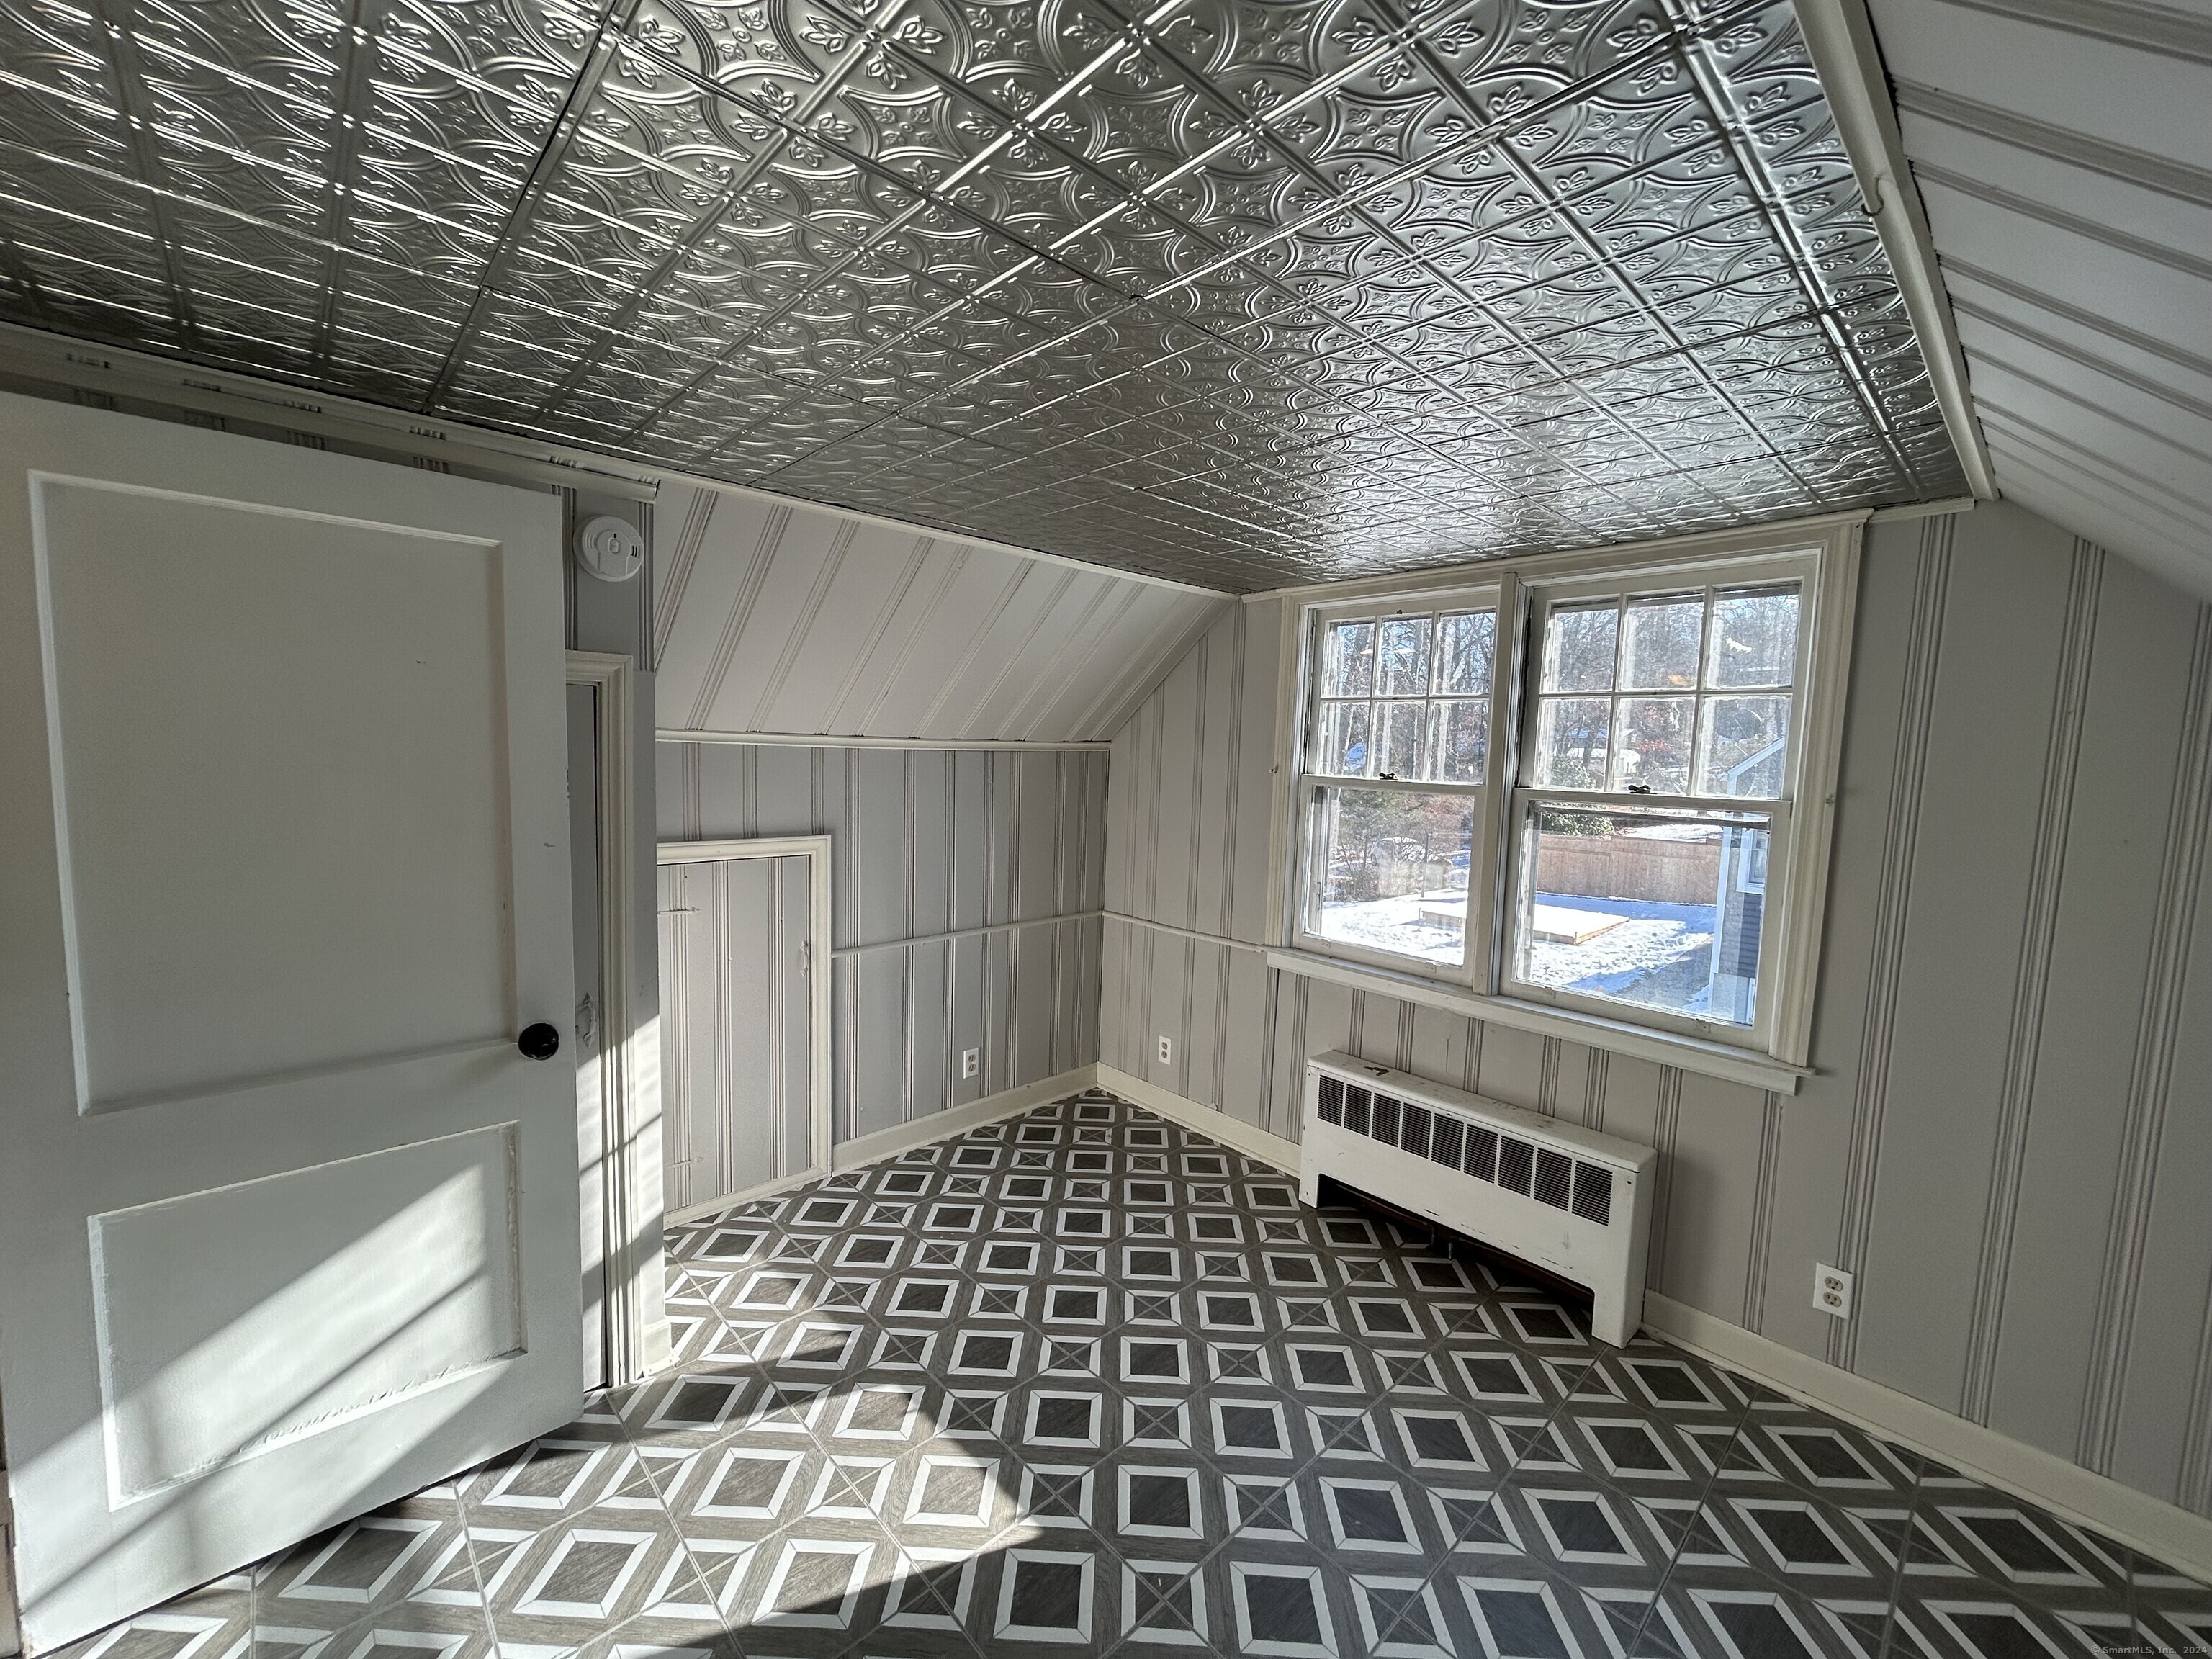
[(1830, 544)]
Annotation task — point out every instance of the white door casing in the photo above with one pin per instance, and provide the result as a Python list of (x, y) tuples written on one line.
[(290, 1227), (626, 1331)]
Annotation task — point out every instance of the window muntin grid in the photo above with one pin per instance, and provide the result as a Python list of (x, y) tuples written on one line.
[(1405, 696), (1688, 693)]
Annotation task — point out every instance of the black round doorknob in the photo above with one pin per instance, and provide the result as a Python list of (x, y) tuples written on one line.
[(539, 1041)]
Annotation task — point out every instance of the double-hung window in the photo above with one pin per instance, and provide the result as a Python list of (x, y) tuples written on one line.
[(1598, 786), (1656, 782), (1397, 752)]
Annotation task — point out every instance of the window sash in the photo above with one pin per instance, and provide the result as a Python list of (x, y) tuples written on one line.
[(1312, 870), (1759, 1035), (1474, 969), (1624, 590), (1627, 589), (1378, 698)]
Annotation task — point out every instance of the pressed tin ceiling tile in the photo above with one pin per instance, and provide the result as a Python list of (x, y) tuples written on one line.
[(1235, 291)]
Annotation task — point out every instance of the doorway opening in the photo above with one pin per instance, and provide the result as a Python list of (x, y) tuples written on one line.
[(625, 1320)]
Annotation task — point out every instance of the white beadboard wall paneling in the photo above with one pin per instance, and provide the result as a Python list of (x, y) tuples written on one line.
[(2009, 1114), (2031, 980), (800, 622), (966, 888), (2063, 155)]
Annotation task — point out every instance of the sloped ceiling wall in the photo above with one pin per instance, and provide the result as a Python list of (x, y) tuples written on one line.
[(2064, 151), (777, 618)]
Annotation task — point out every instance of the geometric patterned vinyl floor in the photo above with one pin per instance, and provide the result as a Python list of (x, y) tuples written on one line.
[(1084, 1382)]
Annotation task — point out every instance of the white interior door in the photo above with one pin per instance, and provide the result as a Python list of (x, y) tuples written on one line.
[(289, 1226), (744, 1092)]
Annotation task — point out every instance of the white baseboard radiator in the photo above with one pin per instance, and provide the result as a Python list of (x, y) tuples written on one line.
[(1560, 1197)]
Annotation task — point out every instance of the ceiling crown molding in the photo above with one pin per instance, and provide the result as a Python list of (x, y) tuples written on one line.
[(1840, 37)]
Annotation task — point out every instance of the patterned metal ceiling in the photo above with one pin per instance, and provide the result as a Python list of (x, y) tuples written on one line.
[(1240, 292)]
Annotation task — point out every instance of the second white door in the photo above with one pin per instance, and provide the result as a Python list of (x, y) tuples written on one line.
[(744, 1097)]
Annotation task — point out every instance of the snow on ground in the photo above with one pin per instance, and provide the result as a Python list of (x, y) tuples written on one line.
[(1648, 940), (1393, 924)]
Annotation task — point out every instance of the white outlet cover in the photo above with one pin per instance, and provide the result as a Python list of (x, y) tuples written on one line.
[(1832, 1290), (970, 1061), (1167, 1051)]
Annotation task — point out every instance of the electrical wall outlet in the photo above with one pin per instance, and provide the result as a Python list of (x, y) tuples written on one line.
[(1832, 1290), (971, 1061), (1167, 1051)]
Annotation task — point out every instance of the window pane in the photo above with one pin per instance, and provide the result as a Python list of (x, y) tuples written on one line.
[(1459, 740), (1742, 748), (1350, 670), (1390, 871), (1754, 637), (1466, 641), (1341, 739), (1660, 652), (1403, 660), (1651, 747), (1579, 648), (1398, 738), (1658, 909), (1571, 742)]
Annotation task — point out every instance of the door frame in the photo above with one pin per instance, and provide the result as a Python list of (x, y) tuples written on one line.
[(633, 1314), (815, 849)]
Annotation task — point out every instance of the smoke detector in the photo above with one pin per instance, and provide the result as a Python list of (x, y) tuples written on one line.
[(611, 549)]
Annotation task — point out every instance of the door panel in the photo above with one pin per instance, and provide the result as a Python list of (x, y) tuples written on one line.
[(291, 1227), (735, 1038), (399, 1265), (241, 897)]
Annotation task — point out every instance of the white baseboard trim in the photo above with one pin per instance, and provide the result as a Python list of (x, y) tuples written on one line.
[(958, 1120), (2164, 1531), (1206, 1120)]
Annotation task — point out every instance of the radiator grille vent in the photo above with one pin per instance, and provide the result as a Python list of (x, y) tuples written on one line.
[(1385, 1126), (1516, 1161), (1517, 1165), (1481, 1158), (1555, 1175), (1593, 1193)]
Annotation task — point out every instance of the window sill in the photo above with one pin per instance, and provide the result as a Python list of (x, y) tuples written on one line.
[(1716, 1059)]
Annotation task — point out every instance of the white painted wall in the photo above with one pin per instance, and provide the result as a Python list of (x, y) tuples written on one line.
[(965, 910), (2008, 1136), (781, 617)]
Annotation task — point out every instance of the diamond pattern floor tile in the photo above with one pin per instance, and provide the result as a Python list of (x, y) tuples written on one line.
[(1087, 1382)]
